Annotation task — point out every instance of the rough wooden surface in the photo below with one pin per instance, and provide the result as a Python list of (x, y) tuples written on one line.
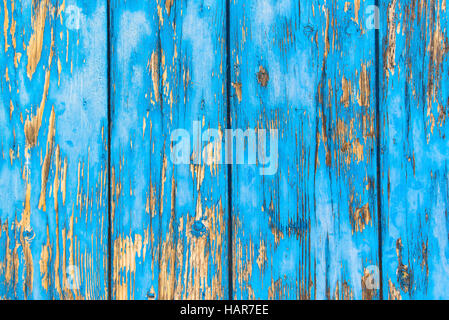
[(351, 105), (415, 101), (309, 231), (53, 164), (169, 221)]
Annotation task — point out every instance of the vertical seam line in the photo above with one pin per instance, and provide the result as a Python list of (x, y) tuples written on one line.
[(108, 43), (228, 124), (378, 151)]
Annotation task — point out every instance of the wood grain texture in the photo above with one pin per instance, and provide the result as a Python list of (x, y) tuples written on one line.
[(415, 101), (169, 221), (307, 230), (53, 178), (307, 69)]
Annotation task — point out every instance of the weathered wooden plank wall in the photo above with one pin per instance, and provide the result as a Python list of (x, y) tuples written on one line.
[(350, 105), (53, 165), (415, 152), (307, 69), (169, 220)]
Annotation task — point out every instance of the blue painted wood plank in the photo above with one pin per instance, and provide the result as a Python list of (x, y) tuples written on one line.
[(309, 231), (415, 101), (169, 219), (53, 178)]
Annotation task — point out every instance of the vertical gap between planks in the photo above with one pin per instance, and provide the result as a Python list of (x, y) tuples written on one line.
[(108, 43), (378, 150), (228, 124)]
